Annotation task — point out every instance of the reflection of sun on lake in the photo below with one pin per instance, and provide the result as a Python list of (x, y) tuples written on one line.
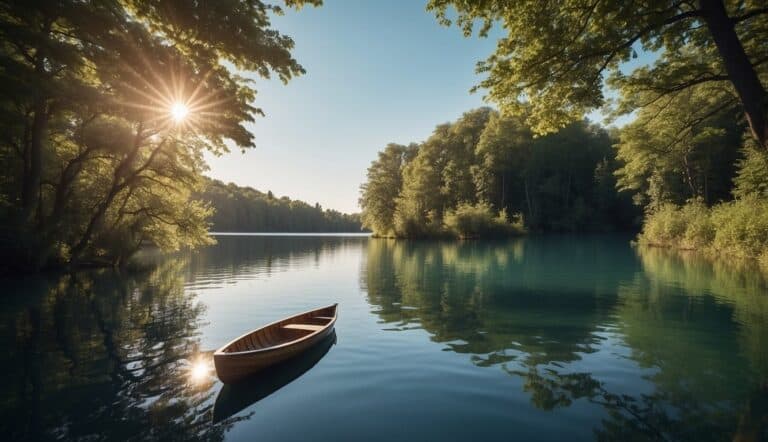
[(200, 371)]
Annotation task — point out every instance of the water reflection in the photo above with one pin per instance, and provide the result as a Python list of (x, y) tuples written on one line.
[(201, 369), (485, 300), (104, 356), (546, 313), (233, 398), (532, 338), (236, 258)]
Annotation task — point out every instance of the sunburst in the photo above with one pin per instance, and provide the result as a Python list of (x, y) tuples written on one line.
[(179, 112), (172, 100)]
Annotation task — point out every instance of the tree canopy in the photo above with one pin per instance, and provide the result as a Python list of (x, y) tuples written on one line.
[(556, 56), (474, 175), (243, 209), (106, 110)]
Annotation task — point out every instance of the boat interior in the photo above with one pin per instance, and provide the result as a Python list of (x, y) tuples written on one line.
[(284, 331)]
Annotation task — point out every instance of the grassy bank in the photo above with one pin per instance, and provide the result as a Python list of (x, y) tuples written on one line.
[(466, 221), (737, 229)]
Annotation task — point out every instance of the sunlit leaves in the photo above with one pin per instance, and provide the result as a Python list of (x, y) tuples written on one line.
[(554, 58), (110, 107)]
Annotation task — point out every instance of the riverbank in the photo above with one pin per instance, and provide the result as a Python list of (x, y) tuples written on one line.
[(736, 229)]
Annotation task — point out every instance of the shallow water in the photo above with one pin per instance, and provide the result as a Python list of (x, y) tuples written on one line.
[(541, 338)]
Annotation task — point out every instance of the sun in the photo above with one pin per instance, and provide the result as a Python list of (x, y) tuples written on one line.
[(174, 101), (179, 111)]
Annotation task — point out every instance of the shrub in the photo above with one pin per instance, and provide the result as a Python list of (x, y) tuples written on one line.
[(737, 228), (699, 230), (663, 227), (741, 227), (474, 221)]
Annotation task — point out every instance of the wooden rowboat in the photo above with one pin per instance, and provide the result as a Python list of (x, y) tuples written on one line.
[(273, 343), (234, 398)]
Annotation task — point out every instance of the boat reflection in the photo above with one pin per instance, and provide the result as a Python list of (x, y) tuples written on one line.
[(233, 398)]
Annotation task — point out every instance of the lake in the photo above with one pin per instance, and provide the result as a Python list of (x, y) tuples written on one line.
[(539, 338)]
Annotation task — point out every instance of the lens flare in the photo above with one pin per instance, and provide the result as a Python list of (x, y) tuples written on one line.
[(179, 111)]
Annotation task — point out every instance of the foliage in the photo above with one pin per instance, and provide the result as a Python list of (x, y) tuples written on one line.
[(685, 227), (93, 163), (737, 228), (243, 209), (379, 194), (752, 175), (741, 228), (552, 64), (472, 221), (485, 162), (676, 150)]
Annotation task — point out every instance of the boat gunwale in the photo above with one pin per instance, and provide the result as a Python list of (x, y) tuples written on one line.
[(220, 352)]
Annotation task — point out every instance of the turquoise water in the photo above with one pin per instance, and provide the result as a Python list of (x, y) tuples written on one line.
[(541, 338)]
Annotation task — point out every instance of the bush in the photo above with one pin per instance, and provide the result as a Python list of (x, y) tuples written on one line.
[(664, 227), (699, 230), (737, 228), (741, 227), (474, 221)]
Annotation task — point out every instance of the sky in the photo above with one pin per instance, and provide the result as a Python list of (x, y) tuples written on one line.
[(377, 72)]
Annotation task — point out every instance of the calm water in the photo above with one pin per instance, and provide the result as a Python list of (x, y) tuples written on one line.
[(551, 338)]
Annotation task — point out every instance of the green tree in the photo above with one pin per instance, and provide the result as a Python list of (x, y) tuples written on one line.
[(97, 155), (555, 57), (440, 176), (243, 209), (384, 182), (504, 148), (677, 150), (485, 169)]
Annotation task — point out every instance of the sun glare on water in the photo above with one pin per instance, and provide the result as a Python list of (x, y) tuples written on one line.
[(200, 371)]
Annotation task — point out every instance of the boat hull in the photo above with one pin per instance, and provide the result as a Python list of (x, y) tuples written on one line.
[(238, 364)]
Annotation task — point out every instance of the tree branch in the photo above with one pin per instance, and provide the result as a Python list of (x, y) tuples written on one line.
[(749, 14)]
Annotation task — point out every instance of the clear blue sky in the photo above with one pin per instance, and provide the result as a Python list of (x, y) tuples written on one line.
[(377, 72)]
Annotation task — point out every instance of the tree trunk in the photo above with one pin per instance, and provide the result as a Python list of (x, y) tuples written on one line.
[(30, 184), (528, 199), (120, 180), (740, 70), (503, 204)]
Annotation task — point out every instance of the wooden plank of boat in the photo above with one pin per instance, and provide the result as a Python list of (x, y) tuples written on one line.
[(273, 343)]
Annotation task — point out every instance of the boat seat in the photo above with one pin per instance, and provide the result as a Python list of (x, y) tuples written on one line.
[(308, 327), (324, 317)]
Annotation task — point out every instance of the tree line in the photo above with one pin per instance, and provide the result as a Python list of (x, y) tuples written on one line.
[(695, 158), (485, 171), (243, 209)]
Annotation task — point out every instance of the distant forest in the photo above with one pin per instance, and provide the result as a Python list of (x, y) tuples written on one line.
[(244, 209)]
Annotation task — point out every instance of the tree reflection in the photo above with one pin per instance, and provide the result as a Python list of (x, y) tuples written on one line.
[(234, 258), (105, 356), (504, 306), (482, 299)]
